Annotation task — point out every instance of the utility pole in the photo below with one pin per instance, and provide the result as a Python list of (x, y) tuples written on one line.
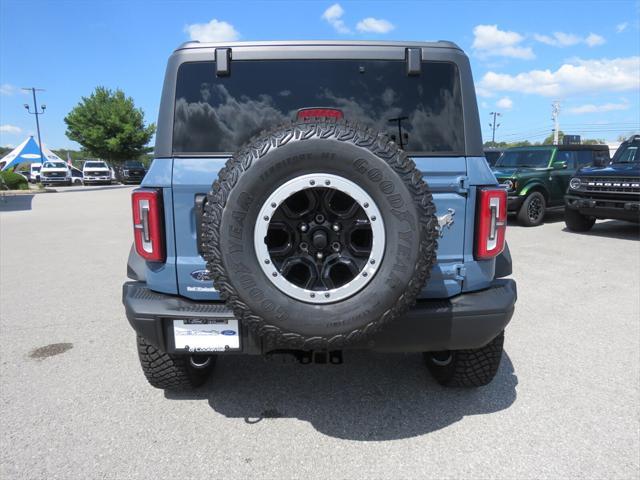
[(555, 114), (494, 125), (37, 113)]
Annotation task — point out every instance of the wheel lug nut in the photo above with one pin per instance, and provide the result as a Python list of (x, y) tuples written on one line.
[(319, 218), (304, 227), (335, 246), (336, 227), (319, 255)]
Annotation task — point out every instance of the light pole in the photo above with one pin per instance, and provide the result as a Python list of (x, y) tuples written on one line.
[(555, 114), (494, 125), (37, 113)]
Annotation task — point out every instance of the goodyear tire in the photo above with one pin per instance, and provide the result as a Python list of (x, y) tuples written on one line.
[(466, 368), (318, 233), (170, 372)]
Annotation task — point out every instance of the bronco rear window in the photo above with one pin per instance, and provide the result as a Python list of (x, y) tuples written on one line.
[(219, 114)]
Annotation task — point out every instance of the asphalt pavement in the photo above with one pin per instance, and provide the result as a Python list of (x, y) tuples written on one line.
[(74, 403)]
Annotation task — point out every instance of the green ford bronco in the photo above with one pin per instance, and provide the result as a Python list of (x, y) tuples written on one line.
[(536, 178)]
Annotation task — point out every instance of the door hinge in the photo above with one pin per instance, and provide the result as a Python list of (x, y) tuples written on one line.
[(223, 62), (463, 184), (454, 272)]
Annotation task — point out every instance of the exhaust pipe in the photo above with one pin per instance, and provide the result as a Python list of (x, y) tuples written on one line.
[(199, 361)]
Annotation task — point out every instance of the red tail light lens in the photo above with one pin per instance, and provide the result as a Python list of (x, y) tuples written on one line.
[(148, 226), (491, 223), (312, 113)]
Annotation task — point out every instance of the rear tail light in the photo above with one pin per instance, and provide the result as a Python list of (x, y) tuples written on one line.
[(148, 227), (319, 113), (491, 223)]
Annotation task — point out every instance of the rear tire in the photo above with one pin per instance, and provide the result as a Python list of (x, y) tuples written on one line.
[(170, 372), (466, 368), (576, 222), (532, 211)]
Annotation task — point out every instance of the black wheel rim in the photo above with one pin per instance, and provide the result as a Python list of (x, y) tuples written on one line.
[(319, 239), (535, 209)]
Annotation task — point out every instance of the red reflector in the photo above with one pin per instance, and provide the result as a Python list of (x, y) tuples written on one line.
[(491, 223), (307, 113), (148, 227)]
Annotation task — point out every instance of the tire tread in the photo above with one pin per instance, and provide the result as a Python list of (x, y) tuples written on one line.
[(377, 143)]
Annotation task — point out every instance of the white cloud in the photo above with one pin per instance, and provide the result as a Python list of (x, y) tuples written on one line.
[(374, 25), (7, 89), (591, 108), (10, 129), (621, 27), (562, 39), (490, 41), (484, 105), (214, 31), (505, 103), (594, 40), (333, 16), (577, 76), (559, 39)]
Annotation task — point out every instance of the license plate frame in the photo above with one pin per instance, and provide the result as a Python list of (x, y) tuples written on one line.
[(205, 335)]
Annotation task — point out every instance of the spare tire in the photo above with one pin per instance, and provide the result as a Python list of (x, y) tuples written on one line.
[(318, 233)]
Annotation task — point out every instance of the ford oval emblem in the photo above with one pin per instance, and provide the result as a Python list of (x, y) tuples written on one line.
[(202, 275), (228, 333)]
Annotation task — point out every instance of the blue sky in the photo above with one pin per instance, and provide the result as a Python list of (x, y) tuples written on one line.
[(524, 54)]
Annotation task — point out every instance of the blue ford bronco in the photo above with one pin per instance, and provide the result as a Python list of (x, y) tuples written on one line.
[(311, 198), (606, 192)]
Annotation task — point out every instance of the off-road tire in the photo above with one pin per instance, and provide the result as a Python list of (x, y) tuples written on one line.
[(576, 222), (297, 330), (170, 372), (524, 217), (466, 368)]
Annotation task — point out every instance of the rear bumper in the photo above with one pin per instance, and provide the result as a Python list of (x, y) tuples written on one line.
[(469, 320), (605, 208)]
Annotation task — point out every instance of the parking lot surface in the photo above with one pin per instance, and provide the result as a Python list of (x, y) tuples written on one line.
[(565, 402)]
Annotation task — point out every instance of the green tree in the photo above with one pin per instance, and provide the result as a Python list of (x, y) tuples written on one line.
[(549, 139), (108, 125)]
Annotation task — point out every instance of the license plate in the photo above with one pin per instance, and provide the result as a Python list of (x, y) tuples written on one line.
[(203, 335)]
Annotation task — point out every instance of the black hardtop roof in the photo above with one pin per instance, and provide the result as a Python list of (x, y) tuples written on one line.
[(320, 43)]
